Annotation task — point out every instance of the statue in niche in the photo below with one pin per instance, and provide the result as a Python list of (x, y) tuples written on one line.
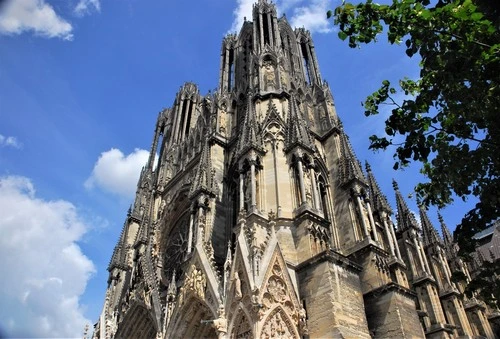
[(256, 75), (237, 286), (303, 321), (283, 77), (248, 191), (308, 186), (269, 76), (220, 324), (161, 208), (310, 113), (222, 125)]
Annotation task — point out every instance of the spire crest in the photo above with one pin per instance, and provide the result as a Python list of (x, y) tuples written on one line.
[(379, 199), (349, 164), (405, 218), (431, 235), (447, 237)]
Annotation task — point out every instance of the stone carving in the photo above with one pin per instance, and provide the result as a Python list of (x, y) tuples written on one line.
[(269, 76), (277, 327), (222, 125), (237, 286), (302, 321), (220, 324), (283, 77), (308, 186), (161, 208), (194, 282)]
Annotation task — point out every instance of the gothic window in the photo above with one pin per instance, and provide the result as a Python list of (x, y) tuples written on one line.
[(230, 75), (176, 246), (306, 62), (265, 27)]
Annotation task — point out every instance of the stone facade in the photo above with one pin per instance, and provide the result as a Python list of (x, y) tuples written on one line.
[(259, 222)]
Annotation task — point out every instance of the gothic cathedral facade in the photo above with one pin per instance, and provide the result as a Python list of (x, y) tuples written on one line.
[(258, 220)]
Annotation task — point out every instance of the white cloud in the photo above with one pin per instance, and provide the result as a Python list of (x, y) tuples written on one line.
[(311, 15), (116, 173), (244, 9), (10, 141), (19, 16), (87, 6), (44, 270)]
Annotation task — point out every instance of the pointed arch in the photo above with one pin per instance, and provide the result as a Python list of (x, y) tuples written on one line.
[(138, 322), (240, 325), (279, 324), (188, 320)]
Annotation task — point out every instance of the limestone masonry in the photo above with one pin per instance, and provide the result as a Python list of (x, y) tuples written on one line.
[(259, 221)]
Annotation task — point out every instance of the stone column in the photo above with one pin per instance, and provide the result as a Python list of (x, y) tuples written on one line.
[(270, 28), (242, 192), (426, 262), (261, 31), (252, 181), (190, 233), (178, 132), (396, 246), (444, 264)]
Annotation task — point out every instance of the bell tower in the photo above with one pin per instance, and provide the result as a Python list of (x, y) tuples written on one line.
[(259, 221)]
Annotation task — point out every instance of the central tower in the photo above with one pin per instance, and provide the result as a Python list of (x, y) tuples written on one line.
[(258, 220)]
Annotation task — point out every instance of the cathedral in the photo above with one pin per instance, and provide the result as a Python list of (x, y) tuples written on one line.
[(258, 220)]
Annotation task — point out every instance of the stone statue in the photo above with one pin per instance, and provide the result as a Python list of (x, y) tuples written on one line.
[(237, 286), (269, 76), (161, 208), (308, 186), (222, 128), (283, 77), (220, 324)]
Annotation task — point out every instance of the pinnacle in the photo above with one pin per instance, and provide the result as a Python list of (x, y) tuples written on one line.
[(350, 166), (379, 199), (447, 237), (430, 233), (405, 217)]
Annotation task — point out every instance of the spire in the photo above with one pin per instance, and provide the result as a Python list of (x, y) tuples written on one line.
[(448, 238), (350, 168), (172, 287), (431, 235), (379, 199), (405, 217), (118, 257), (297, 133), (204, 177)]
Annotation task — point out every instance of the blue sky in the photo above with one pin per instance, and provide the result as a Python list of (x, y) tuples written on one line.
[(81, 83)]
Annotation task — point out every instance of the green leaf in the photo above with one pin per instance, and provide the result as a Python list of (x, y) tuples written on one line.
[(342, 35)]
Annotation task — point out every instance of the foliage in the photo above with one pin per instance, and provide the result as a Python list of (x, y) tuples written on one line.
[(450, 120)]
